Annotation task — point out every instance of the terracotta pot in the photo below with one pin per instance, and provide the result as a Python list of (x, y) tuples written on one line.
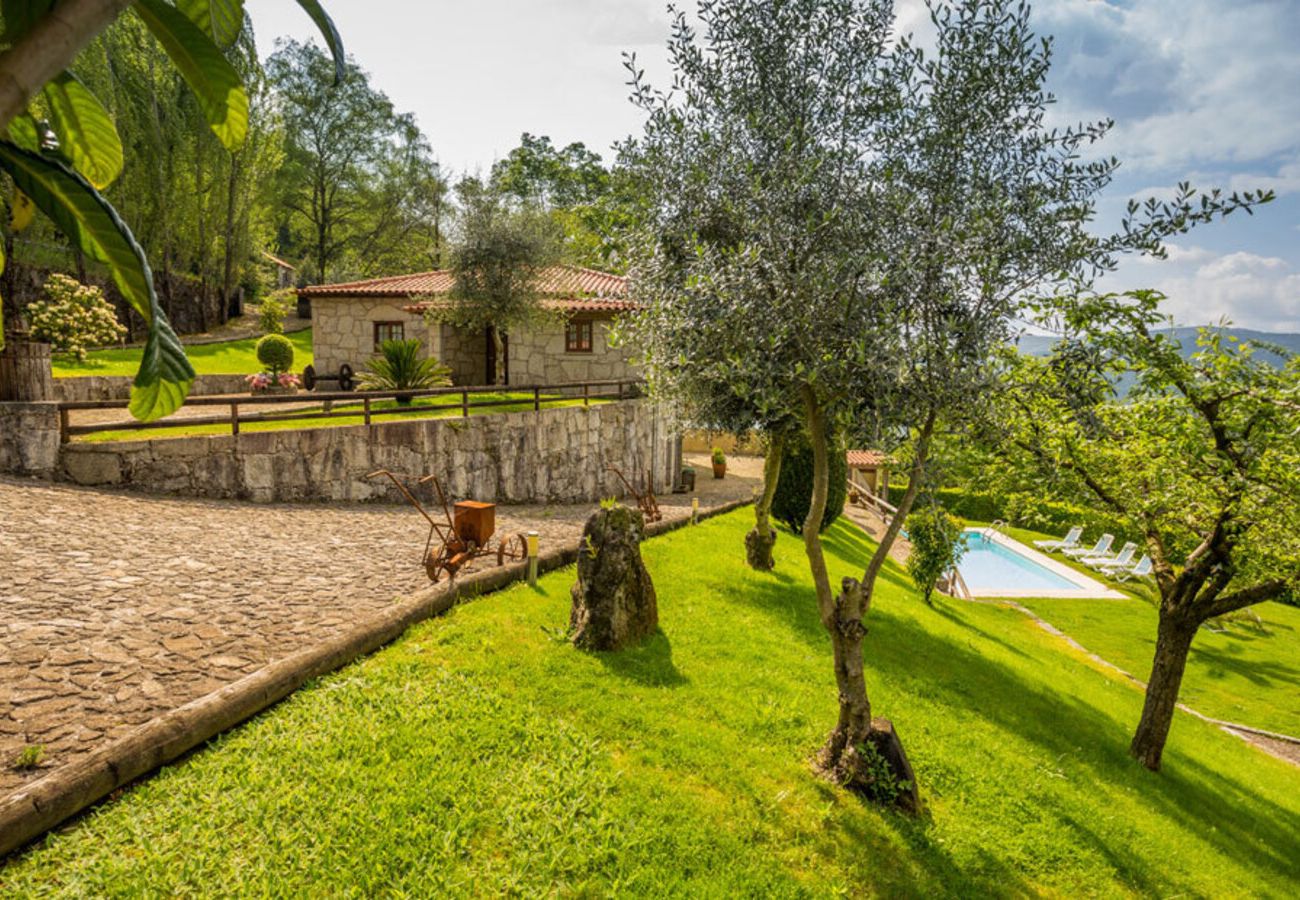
[(719, 469)]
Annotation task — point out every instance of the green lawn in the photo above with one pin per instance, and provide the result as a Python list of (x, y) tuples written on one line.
[(419, 408), (1243, 672), (483, 755), (224, 358)]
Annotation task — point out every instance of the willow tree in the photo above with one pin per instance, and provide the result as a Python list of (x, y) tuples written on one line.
[(1201, 458), (61, 161), (845, 226)]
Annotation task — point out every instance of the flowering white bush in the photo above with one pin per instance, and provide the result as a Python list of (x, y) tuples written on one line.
[(73, 316)]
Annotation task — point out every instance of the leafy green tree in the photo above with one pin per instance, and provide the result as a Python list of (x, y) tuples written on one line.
[(1202, 459), (62, 166), (847, 248), (935, 536), (497, 262), (358, 175)]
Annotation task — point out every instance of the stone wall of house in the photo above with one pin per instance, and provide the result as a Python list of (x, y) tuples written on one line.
[(343, 330), (465, 351), (118, 387), (29, 438), (537, 356), (555, 455)]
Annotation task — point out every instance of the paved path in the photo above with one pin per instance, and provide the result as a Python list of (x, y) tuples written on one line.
[(116, 607)]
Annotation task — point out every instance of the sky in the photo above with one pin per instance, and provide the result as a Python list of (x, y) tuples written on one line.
[(1206, 91)]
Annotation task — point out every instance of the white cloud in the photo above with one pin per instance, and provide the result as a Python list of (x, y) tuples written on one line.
[(1251, 290)]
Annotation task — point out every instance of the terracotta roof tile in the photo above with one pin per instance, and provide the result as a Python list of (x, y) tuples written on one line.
[(577, 282), (866, 458)]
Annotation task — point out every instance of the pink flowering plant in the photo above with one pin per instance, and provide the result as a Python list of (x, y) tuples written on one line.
[(263, 382)]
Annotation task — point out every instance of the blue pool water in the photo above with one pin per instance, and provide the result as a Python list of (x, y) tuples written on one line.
[(987, 566)]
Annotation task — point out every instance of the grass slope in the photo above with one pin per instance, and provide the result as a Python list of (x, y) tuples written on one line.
[(481, 754), (1244, 673), (223, 358)]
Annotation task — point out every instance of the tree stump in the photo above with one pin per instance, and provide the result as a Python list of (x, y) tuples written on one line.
[(758, 549), (25, 375), (614, 602)]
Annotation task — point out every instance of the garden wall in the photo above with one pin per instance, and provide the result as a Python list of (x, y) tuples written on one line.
[(555, 455), (118, 387), (29, 438)]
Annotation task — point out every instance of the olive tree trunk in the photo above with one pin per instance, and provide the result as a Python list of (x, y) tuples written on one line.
[(759, 541), (1173, 642), (841, 616)]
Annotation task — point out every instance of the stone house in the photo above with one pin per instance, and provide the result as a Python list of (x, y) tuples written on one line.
[(351, 320)]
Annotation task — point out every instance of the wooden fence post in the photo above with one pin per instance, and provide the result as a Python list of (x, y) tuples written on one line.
[(537, 399), (234, 418), (464, 404), (366, 406)]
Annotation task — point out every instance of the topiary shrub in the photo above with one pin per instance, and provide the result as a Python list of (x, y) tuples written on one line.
[(276, 353), (794, 486)]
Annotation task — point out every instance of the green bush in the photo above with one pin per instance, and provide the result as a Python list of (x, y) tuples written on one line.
[(276, 353), (72, 316), (794, 486), (935, 537), (275, 306)]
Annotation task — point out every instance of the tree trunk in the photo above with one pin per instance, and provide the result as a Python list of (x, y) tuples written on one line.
[(499, 376), (1173, 642), (25, 374), (759, 541), (228, 243)]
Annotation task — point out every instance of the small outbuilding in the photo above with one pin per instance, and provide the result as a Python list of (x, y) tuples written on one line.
[(869, 471), (351, 320)]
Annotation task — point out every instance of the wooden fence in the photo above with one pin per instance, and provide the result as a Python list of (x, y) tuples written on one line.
[(354, 404)]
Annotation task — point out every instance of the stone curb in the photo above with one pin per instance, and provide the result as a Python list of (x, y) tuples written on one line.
[(33, 810)]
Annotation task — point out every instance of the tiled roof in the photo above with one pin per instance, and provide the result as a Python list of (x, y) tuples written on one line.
[(564, 304), (556, 281), (866, 459)]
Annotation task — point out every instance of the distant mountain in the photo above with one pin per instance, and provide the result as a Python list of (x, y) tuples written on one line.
[(1041, 344)]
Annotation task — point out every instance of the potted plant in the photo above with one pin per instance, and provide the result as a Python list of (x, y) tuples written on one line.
[(719, 463), (276, 353)]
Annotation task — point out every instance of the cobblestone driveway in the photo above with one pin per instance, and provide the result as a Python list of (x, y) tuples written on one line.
[(116, 607)]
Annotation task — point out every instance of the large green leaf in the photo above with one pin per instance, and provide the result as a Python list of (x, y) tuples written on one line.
[(329, 32), (85, 129), (87, 219), (220, 20), (204, 67)]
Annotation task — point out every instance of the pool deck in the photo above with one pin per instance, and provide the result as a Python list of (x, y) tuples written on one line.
[(1087, 588)]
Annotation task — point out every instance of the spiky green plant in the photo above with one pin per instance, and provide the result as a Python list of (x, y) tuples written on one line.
[(400, 366)]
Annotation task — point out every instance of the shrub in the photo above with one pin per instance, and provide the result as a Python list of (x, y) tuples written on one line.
[(718, 456), (401, 367), (73, 316), (935, 537), (276, 353), (794, 486), (275, 306)]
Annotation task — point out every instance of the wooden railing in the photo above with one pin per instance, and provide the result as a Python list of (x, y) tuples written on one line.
[(353, 404), (867, 500)]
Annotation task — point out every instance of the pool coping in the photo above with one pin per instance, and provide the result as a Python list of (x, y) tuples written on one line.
[(1088, 588)]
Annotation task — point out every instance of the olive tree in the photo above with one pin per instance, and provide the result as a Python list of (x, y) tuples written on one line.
[(498, 263), (1202, 458), (843, 229)]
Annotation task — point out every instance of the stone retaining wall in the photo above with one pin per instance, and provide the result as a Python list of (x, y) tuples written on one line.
[(555, 455), (118, 387), (29, 438)]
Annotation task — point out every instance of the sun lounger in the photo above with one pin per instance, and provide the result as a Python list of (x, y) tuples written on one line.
[(1125, 557), (1101, 548), (1140, 569), (1070, 540)]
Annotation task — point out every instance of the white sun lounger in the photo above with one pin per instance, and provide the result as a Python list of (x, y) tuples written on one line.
[(1141, 569), (1071, 539), (1101, 548), (1124, 558)]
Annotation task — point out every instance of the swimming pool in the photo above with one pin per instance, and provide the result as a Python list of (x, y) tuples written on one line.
[(996, 566)]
